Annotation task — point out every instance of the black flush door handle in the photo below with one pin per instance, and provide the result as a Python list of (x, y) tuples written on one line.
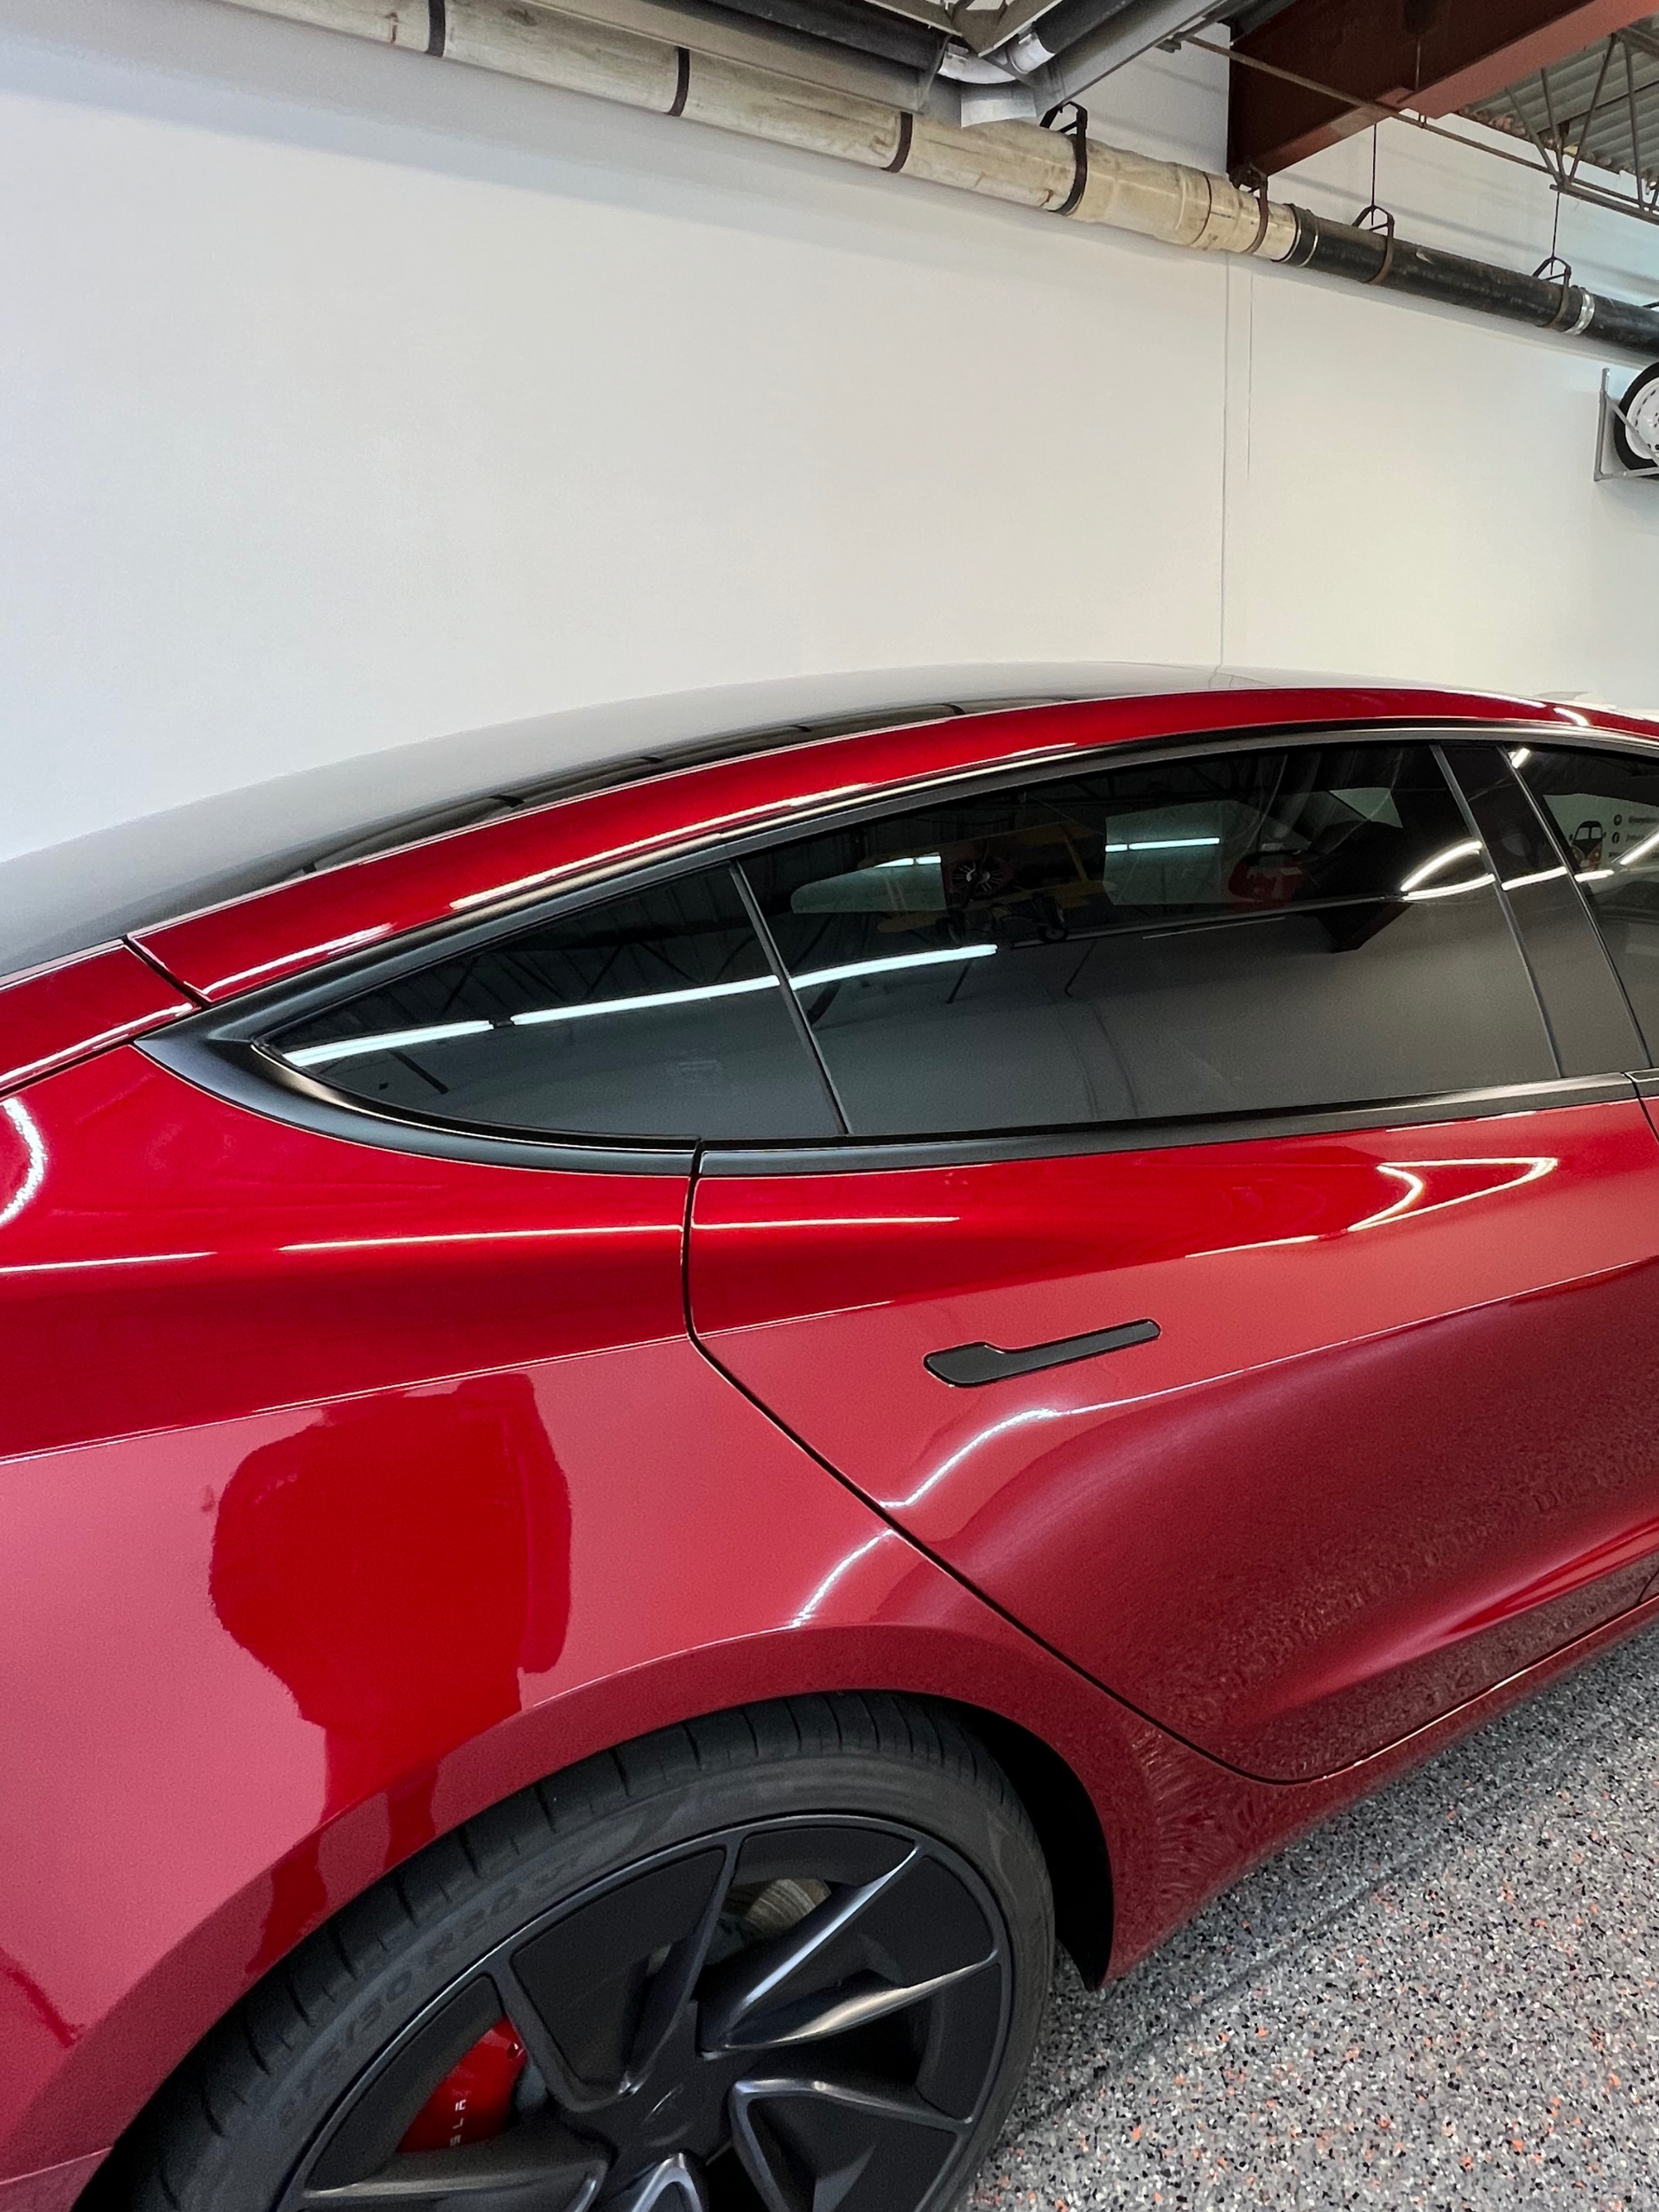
[(968, 1365)]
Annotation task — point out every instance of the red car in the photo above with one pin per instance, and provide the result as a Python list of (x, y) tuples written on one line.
[(646, 1439)]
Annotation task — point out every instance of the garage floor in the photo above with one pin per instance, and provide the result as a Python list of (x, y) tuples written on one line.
[(1448, 1998)]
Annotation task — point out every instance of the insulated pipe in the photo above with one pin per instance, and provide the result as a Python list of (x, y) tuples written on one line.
[(1063, 172)]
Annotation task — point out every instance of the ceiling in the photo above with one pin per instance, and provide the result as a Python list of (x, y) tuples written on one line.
[(1599, 106), (1576, 81)]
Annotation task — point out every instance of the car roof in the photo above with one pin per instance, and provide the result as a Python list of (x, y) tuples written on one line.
[(70, 897), (597, 822)]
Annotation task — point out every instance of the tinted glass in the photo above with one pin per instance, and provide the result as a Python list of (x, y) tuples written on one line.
[(1606, 807), (655, 1015), (1303, 927), (1588, 1018)]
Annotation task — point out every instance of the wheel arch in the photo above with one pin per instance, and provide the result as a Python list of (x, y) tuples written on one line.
[(1068, 1830), (1052, 1795), (1056, 1798)]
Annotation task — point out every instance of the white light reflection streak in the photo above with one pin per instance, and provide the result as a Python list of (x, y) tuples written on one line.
[(306, 952), (1163, 845), (392, 1040), (1639, 852), (123, 1260), (848, 1221), (1544, 876), (696, 832), (835, 791), (484, 1237), (818, 976), (1450, 890), (840, 1567), (1030, 1413), (383, 1041), (34, 1150), (1533, 1169), (693, 833), (1415, 1185), (112, 1036), (1267, 1244), (641, 998), (981, 1436), (1469, 849)]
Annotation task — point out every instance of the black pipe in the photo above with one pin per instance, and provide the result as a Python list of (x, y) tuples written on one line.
[(1396, 264)]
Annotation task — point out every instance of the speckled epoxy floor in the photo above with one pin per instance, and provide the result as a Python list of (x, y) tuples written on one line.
[(1447, 1998)]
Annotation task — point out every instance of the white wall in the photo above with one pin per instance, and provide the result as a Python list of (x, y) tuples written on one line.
[(351, 401), (1418, 493)]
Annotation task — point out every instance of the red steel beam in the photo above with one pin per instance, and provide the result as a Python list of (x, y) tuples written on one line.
[(1432, 55)]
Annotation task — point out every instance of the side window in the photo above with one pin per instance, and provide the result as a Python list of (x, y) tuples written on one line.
[(655, 1015), (1605, 809), (1309, 926)]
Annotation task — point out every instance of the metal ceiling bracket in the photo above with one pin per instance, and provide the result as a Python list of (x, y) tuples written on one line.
[(1577, 307), (1608, 469), (1380, 223), (1078, 132), (1266, 205)]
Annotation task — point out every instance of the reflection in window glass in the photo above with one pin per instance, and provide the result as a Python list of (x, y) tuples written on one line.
[(1606, 807), (1307, 926), (655, 1016)]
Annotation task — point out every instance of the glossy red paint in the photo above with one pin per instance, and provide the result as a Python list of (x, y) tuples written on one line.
[(345, 1491), (185, 1261), (232, 1627), (296, 1578), (60, 1014), (352, 908), (1359, 1377)]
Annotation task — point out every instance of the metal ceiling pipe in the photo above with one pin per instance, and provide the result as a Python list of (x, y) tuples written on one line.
[(1076, 42), (1065, 173)]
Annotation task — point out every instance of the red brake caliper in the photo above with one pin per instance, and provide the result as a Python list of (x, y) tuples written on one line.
[(473, 2102)]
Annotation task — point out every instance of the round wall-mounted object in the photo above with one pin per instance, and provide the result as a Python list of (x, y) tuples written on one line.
[(1636, 425)]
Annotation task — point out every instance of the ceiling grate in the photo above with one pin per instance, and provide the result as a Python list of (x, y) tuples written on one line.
[(1597, 109)]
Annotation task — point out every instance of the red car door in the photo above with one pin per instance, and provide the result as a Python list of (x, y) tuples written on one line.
[(1294, 1412)]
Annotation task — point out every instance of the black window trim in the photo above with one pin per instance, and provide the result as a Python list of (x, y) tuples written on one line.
[(220, 1049), (798, 1021), (1517, 935)]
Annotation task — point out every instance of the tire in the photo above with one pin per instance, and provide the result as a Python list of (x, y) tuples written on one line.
[(700, 1973), (1634, 440)]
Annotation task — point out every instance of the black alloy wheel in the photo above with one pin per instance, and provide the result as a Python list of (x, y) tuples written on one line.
[(787, 1961), (769, 2018)]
